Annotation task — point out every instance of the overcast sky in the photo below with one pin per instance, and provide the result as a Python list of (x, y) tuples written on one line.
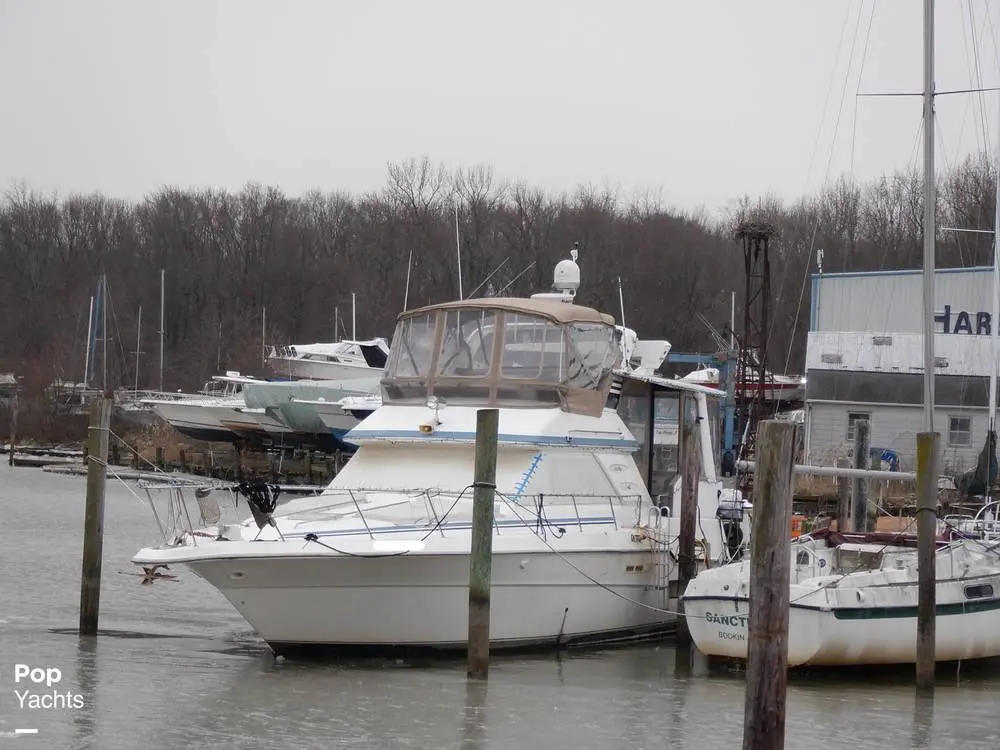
[(704, 99)]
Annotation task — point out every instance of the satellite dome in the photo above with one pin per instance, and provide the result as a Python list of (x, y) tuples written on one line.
[(567, 273)]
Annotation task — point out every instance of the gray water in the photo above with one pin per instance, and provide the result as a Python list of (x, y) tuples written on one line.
[(177, 667)]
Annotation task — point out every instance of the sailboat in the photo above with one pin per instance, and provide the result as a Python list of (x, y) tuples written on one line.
[(853, 598)]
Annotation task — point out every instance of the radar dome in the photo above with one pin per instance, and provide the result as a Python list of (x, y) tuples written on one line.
[(567, 274)]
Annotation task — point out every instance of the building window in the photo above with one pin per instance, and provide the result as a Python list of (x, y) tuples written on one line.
[(857, 416), (959, 431)]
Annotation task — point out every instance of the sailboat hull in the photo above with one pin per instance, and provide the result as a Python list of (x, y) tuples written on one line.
[(423, 600), (851, 636)]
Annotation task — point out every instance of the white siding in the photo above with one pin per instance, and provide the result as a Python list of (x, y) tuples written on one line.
[(893, 427), (893, 300), (964, 355)]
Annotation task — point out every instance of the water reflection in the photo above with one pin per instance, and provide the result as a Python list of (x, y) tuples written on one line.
[(923, 719), (84, 719), (474, 715)]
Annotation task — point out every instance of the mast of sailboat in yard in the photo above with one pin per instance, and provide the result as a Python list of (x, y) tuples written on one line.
[(929, 227), (995, 309), (927, 441), (162, 306)]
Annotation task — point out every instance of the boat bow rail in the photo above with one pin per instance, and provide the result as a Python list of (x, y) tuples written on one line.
[(394, 512)]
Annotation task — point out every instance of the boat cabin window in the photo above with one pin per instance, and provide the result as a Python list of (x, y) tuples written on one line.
[(374, 356), (502, 356), (651, 414), (979, 591)]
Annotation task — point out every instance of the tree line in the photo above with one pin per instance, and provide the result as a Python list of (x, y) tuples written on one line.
[(228, 256)]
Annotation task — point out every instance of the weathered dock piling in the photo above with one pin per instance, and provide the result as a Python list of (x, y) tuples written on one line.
[(770, 567), (481, 557), (13, 429), (93, 525), (927, 472), (686, 564), (843, 498), (862, 460)]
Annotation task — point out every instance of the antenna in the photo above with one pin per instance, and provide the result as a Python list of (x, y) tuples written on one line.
[(263, 336), (336, 322), (492, 273), (458, 252), (819, 259), (406, 294), (512, 281), (621, 297), (354, 317)]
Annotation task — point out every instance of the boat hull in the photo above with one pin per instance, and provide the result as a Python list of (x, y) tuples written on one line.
[(422, 601), (850, 636)]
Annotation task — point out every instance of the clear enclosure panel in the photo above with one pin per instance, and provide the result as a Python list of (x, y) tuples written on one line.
[(532, 349), (414, 346), (467, 343), (593, 353)]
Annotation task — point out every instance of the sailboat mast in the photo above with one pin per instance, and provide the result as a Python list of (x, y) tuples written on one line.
[(929, 226), (162, 305), (138, 343), (995, 308), (458, 252), (104, 333), (90, 332)]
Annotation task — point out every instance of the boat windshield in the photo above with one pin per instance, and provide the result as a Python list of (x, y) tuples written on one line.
[(501, 356)]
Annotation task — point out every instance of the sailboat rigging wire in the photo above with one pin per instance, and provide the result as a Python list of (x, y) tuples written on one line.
[(861, 73)]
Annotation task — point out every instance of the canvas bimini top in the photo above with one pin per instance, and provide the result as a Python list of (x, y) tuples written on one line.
[(500, 351)]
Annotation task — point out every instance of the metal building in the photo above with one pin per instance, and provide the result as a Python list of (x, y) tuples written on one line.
[(864, 360)]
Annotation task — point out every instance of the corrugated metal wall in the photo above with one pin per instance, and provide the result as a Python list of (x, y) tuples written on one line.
[(892, 301)]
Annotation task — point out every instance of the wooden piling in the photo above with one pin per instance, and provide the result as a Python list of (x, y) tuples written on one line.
[(159, 457), (309, 467), (927, 473), (686, 564), (843, 498), (770, 566), (93, 525), (481, 557), (182, 457), (862, 449), (13, 428)]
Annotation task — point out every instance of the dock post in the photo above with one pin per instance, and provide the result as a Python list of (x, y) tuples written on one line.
[(159, 457), (309, 467), (686, 564), (93, 525), (843, 498), (862, 447), (927, 472), (770, 566), (13, 427), (481, 557)]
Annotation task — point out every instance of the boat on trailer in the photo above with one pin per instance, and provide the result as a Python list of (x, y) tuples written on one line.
[(587, 505)]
